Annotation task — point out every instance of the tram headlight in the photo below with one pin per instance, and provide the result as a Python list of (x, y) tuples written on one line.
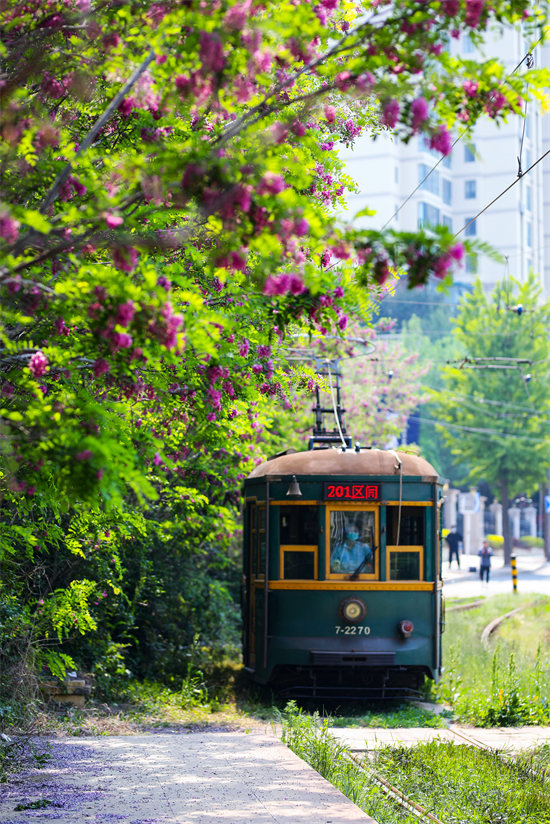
[(406, 628), (352, 610)]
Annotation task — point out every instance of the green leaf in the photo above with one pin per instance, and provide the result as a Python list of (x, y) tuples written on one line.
[(37, 221)]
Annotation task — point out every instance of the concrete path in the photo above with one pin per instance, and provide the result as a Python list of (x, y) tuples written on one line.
[(362, 739), (533, 576), (198, 778)]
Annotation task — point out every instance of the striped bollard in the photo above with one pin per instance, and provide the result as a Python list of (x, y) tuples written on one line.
[(514, 563)]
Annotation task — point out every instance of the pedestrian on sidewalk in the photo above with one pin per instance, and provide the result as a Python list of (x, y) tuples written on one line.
[(485, 554), (454, 539)]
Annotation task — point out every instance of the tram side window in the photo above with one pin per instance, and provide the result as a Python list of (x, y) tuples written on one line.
[(299, 525), (299, 566), (299, 540), (412, 529), (405, 566)]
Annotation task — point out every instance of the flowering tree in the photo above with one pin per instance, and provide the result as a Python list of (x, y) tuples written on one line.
[(169, 170), (381, 389), (381, 385)]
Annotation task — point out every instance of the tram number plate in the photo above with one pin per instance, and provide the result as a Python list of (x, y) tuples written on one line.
[(352, 492), (352, 630)]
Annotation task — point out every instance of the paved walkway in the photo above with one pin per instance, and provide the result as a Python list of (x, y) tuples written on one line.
[(208, 778), (362, 739), (533, 576)]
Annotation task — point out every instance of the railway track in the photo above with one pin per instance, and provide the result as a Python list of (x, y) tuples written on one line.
[(400, 798), (496, 622)]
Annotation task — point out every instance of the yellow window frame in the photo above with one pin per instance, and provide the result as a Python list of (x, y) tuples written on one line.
[(295, 548), (416, 548), (345, 576)]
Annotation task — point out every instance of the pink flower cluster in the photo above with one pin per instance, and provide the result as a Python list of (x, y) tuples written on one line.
[(71, 185), (125, 258), (284, 284), (445, 261), (419, 111), (441, 141), (9, 227), (38, 364), (390, 114)]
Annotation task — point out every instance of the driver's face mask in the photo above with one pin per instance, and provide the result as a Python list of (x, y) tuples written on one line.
[(353, 536)]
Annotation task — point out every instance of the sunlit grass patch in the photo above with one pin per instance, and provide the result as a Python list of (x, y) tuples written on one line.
[(459, 783), (508, 682)]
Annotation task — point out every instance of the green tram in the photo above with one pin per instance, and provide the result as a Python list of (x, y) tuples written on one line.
[(351, 605)]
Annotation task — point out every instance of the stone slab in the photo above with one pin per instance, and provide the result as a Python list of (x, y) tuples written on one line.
[(208, 778), (365, 738)]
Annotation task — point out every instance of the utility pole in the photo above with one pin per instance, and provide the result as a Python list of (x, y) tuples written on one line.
[(546, 516)]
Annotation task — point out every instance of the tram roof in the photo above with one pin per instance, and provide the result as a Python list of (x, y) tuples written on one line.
[(338, 462)]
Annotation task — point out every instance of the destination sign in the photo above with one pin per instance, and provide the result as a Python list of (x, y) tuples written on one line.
[(352, 492)]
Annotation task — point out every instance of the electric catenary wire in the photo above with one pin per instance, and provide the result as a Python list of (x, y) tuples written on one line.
[(336, 415), (528, 57), (502, 193)]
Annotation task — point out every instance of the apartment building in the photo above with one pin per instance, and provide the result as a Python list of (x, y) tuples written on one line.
[(479, 169)]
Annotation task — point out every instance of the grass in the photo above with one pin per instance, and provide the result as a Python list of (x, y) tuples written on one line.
[(460, 783), (508, 683), (456, 783), (389, 716)]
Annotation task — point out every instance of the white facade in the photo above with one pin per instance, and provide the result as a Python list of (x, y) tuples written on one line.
[(518, 225)]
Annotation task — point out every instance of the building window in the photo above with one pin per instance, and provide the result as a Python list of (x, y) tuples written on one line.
[(397, 174), (528, 127), (529, 235), (471, 264), (447, 191), (446, 220), (470, 189), (527, 164), (431, 184), (468, 44), (529, 198), (428, 215), (529, 265), (469, 153), (471, 229)]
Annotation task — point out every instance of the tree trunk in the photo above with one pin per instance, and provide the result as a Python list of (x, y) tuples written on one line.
[(505, 501)]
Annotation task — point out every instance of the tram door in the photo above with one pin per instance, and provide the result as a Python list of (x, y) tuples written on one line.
[(256, 578)]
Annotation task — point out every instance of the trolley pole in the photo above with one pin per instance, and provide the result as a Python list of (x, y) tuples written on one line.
[(514, 563)]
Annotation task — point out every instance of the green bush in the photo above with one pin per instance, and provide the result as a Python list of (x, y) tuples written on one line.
[(529, 541)]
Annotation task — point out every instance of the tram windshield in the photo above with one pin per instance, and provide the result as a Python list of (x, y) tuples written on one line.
[(352, 542)]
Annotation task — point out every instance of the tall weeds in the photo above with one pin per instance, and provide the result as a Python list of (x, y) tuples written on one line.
[(508, 683)]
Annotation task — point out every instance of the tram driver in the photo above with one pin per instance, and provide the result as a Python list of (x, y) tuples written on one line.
[(351, 551)]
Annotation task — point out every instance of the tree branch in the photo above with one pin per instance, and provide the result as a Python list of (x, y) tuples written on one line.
[(98, 125)]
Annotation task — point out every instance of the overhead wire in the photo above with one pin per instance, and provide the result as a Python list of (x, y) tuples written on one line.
[(502, 193), (461, 135), (336, 415), (477, 430)]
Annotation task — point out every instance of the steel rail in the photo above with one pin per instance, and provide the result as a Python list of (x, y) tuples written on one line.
[(496, 622), (395, 793), (471, 605)]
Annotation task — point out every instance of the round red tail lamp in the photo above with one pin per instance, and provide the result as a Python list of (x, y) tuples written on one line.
[(406, 628)]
